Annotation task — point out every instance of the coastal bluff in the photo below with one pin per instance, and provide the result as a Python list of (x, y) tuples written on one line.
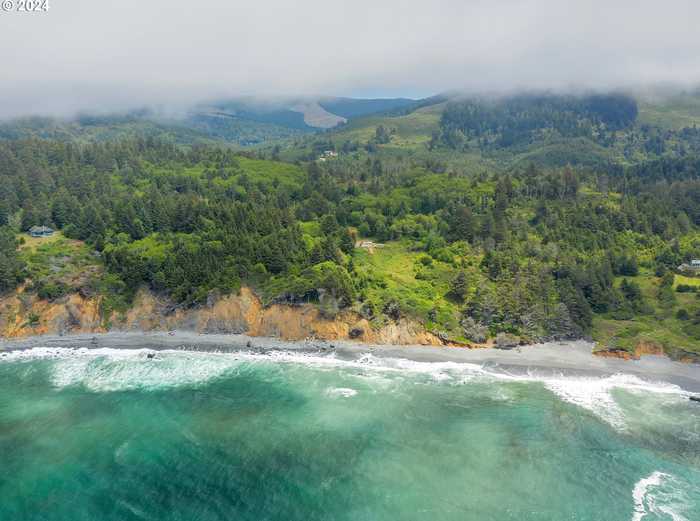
[(23, 314)]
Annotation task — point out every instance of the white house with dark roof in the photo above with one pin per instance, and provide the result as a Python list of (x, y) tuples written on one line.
[(40, 231)]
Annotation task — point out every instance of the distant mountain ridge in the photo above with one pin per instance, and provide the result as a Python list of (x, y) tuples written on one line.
[(494, 127), (350, 108), (306, 113), (238, 121)]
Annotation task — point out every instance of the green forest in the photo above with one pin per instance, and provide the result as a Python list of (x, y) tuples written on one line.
[(520, 219)]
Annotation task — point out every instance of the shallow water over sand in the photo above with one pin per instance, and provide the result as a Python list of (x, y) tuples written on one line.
[(138, 434)]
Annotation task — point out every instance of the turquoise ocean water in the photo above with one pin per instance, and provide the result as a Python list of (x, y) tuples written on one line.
[(116, 435)]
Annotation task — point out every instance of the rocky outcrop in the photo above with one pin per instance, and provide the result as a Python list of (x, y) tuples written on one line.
[(507, 341), (643, 347), (23, 314)]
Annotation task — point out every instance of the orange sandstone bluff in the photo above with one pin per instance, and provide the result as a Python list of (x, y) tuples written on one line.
[(23, 314)]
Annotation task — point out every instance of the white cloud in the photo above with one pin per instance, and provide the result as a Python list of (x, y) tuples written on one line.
[(87, 54)]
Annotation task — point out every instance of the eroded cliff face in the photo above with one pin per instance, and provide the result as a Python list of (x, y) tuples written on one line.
[(649, 347), (23, 314)]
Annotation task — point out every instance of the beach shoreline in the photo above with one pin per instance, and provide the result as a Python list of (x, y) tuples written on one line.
[(570, 358)]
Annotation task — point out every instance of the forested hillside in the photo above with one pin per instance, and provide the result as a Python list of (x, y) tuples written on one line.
[(449, 231), (239, 122), (196, 128)]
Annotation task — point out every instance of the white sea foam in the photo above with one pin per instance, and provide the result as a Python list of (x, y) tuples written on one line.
[(641, 489), (596, 393), (107, 369), (344, 392), (649, 498), (136, 371)]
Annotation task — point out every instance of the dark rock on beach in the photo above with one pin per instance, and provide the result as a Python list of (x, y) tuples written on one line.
[(356, 332)]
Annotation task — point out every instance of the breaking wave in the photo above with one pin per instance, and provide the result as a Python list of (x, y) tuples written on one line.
[(596, 394), (660, 496), (106, 369)]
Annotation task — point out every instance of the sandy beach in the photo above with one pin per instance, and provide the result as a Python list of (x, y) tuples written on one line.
[(555, 358)]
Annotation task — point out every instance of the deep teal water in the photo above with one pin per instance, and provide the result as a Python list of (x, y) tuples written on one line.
[(113, 435)]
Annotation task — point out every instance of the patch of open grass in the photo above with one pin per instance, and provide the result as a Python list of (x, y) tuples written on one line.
[(261, 172), (626, 334), (30, 244), (58, 259), (409, 131), (394, 273), (686, 281), (662, 326), (272, 171)]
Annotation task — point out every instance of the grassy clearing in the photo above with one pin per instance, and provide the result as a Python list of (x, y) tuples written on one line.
[(626, 334), (58, 260), (30, 244), (409, 131), (579, 151), (686, 281), (662, 326), (58, 266), (272, 171), (260, 172), (396, 274)]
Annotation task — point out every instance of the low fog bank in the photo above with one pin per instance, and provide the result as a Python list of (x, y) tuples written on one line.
[(82, 56), (124, 104)]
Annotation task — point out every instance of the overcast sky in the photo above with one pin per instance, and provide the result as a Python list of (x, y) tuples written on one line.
[(109, 54)]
